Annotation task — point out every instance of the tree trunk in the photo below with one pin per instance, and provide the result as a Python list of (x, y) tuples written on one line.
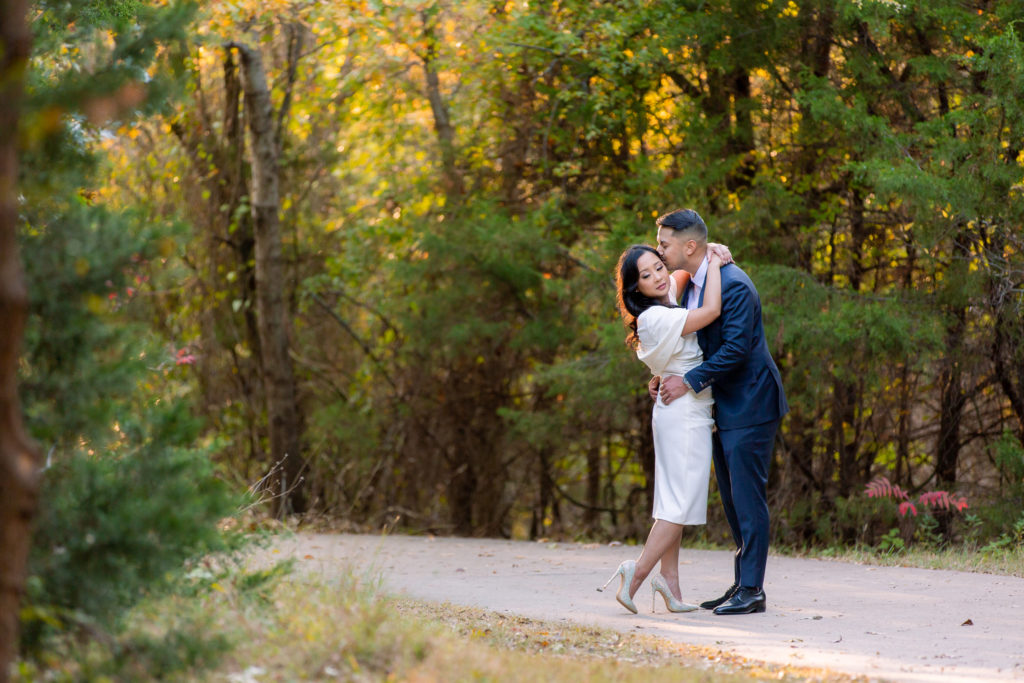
[(1008, 330), (271, 304), (460, 500), (19, 461), (845, 392), (590, 518), (953, 400), (218, 161), (454, 187)]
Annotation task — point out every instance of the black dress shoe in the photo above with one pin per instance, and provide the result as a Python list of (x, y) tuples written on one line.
[(745, 601), (712, 604)]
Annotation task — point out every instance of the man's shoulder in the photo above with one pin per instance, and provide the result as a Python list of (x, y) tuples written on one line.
[(732, 274)]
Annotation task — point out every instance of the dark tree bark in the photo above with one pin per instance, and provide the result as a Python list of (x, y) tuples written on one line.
[(953, 401), (19, 460), (519, 104), (546, 499), (1006, 357), (846, 393), (271, 304), (953, 397), (590, 515)]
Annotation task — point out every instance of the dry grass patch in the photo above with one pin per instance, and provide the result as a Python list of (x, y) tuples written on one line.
[(593, 650), (262, 626), (350, 631)]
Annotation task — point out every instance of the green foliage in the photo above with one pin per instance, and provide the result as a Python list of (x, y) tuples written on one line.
[(462, 366), (83, 350), (1011, 538), (92, 59), (177, 634), (1009, 458), (119, 525), (927, 532), (129, 491), (892, 543)]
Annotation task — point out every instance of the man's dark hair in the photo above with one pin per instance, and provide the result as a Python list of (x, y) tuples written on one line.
[(686, 224)]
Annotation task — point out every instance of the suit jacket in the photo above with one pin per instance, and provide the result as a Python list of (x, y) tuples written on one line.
[(746, 384)]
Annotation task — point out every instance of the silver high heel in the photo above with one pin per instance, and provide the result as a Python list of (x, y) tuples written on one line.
[(658, 585), (626, 570)]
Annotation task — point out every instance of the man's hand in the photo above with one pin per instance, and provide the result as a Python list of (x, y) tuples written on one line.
[(672, 388), (652, 388), (721, 251)]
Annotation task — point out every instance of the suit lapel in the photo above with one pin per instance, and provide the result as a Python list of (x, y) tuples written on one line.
[(686, 292)]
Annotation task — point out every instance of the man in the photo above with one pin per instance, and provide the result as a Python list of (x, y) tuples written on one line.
[(749, 402)]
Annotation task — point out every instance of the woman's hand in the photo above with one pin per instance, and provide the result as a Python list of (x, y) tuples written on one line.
[(652, 388), (715, 260), (721, 251)]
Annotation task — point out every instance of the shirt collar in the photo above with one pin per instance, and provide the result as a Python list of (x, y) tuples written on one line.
[(702, 273)]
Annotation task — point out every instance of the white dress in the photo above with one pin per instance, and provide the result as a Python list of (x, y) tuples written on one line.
[(682, 429)]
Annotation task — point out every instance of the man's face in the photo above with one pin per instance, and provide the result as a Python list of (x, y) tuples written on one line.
[(674, 250)]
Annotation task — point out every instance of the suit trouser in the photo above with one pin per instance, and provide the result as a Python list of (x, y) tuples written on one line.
[(741, 458)]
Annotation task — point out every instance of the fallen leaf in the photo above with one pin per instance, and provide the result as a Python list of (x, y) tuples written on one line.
[(968, 623)]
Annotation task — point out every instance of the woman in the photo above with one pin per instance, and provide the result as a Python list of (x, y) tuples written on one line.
[(663, 335)]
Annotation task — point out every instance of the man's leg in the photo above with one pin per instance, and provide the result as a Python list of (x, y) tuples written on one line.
[(724, 480), (748, 452)]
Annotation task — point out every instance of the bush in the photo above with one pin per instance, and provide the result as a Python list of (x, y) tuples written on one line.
[(116, 526)]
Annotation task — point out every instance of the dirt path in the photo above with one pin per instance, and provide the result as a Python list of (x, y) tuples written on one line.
[(891, 623)]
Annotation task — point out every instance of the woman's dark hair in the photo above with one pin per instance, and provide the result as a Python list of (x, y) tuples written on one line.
[(631, 303)]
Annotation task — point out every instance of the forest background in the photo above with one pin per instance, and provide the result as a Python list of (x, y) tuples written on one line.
[(358, 257)]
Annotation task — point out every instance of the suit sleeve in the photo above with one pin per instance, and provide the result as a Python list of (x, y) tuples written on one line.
[(739, 305)]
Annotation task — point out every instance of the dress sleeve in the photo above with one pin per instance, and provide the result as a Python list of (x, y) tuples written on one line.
[(677, 285), (660, 329)]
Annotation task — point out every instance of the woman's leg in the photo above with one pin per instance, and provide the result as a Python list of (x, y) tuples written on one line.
[(670, 564), (663, 538)]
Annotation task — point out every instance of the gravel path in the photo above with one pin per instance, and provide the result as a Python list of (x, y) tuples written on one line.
[(882, 622)]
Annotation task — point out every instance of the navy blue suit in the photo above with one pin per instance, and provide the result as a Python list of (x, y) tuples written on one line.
[(749, 404)]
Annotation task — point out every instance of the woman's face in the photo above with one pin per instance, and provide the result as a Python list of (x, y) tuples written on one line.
[(653, 281)]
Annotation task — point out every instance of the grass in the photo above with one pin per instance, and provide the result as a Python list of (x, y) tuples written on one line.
[(275, 626), (1004, 561)]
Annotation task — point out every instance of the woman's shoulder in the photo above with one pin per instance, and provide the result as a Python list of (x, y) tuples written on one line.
[(658, 313), (652, 312)]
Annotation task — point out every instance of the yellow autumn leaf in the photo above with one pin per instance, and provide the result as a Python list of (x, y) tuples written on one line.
[(95, 304)]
